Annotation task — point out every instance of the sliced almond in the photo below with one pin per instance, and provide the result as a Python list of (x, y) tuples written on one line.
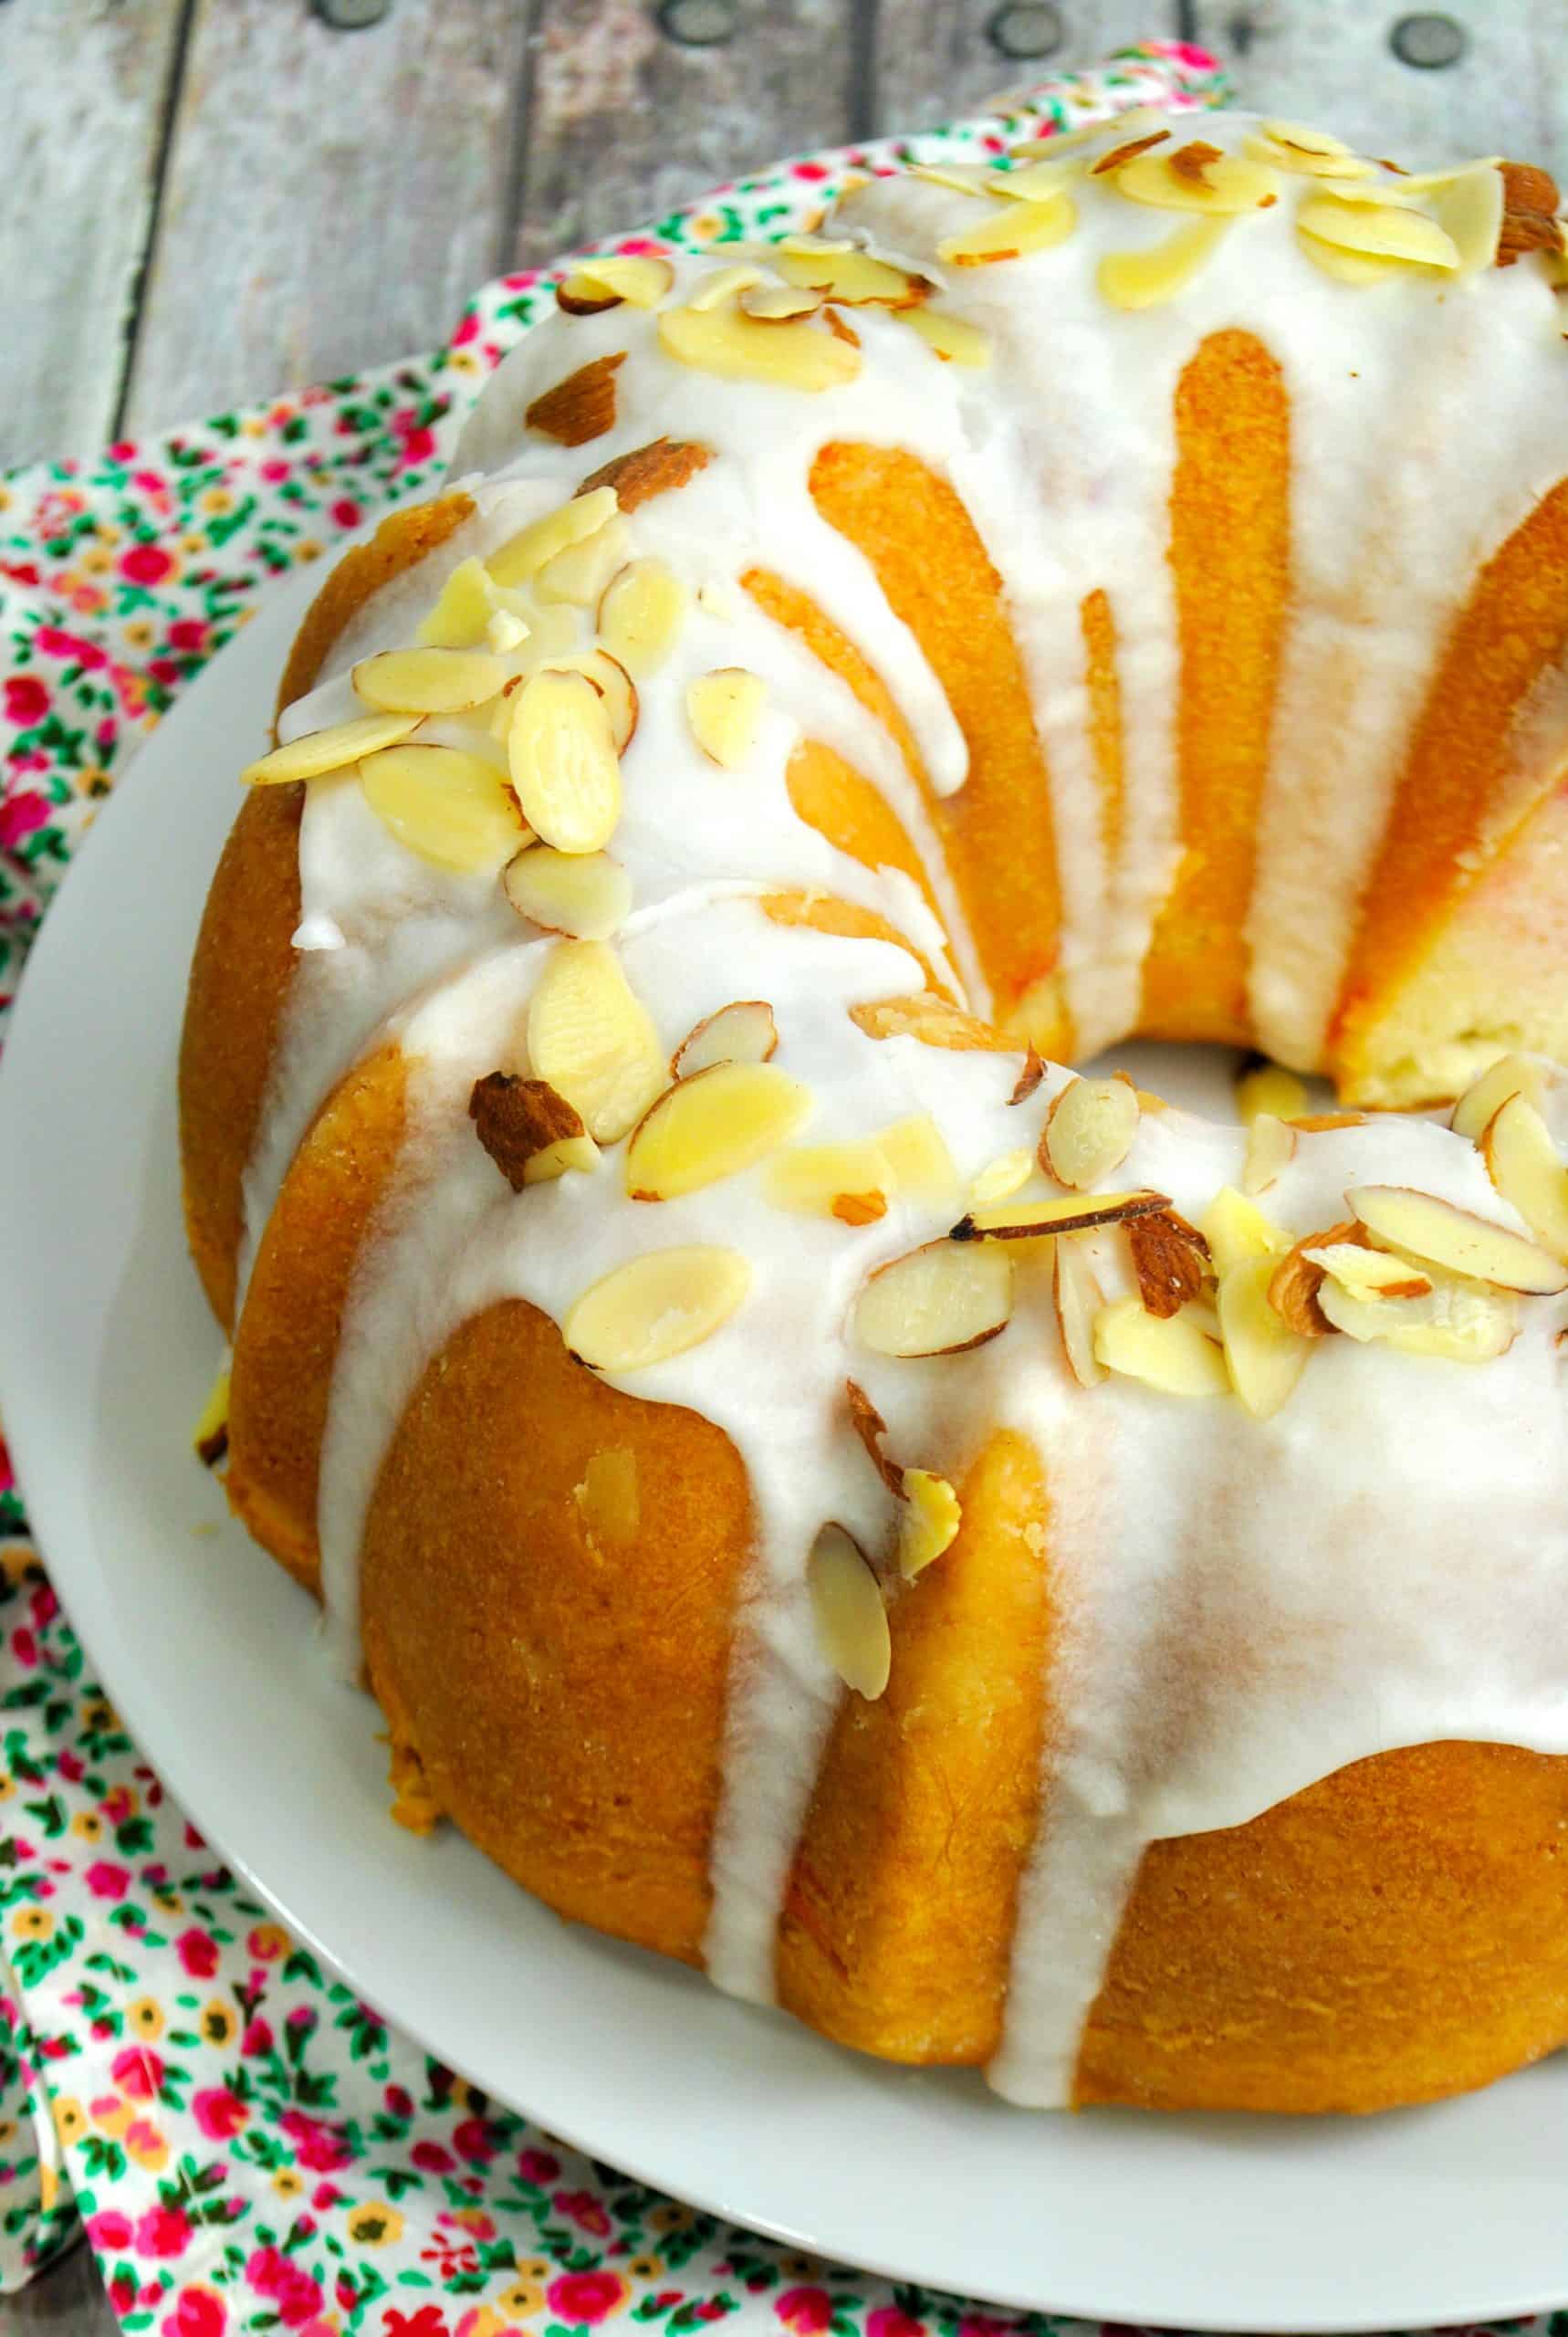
[(1150, 277), (469, 598), (939, 1300), (656, 1306), (1296, 1281), (1525, 1166), (1027, 1221), (613, 682), (774, 303), (870, 1428), (1222, 185), (711, 1125), (907, 1158), (585, 896), (1271, 1148), (1326, 1123), (209, 1437), (1368, 1273), (725, 709), (1029, 1078), (1078, 1299), (427, 681), (1268, 1087), (743, 1032), (1089, 1131), (848, 275), (569, 1153), (523, 555), (1235, 1231), (931, 1521), (961, 178), (741, 348), (953, 339), (318, 752), (581, 407), (1314, 154), (561, 751), (1035, 182), (639, 278), (1171, 1355), (850, 1615), (1440, 1234), (1510, 1075), (1263, 1356), (1127, 152), (913, 1152), (1001, 1178), (1457, 1321), (1379, 230), (1347, 266), (517, 1120), (641, 616), (1170, 1260), (1010, 232), (593, 1039), (721, 285), (658, 468), (453, 809), (577, 575)]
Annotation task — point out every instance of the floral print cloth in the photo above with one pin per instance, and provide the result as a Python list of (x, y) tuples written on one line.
[(248, 2146)]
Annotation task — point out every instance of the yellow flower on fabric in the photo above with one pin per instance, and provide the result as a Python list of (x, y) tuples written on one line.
[(169, 1900), (535, 2268), (96, 561), (4, 498), (289, 2183), (219, 2023), (217, 498), (70, 2119), (88, 1823), (671, 2216), (113, 2116), (7, 1786), (49, 2187), (462, 361), (267, 1942), (374, 2224), (308, 549), (646, 2267), (93, 782), (144, 2018), (33, 1922), (253, 426), (99, 1714), (522, 2299), (144, 2143), (139, 633)]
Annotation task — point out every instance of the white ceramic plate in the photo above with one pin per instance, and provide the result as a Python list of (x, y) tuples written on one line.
[(106, 1350)]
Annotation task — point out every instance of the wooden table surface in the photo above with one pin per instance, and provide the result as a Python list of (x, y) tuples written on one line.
[(204, 201), (208, 200)]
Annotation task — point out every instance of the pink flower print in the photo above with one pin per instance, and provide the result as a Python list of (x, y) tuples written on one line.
[(431, 2158), (150, 482), (537, 2166), (400, 2101), (198, 2313), (218, 2113), (258, 2037), (19, 815), (55, 642), (346, 512), (138, 2072), (188, 633), (106, 1881), (316, 2146), (585, 2211), (887, 2321), (146, 564), (122, 451), (198, 1953), (162, 2231), (428, 2321), (275, 470), (325, 2196), (1183, 52), (805, 2310), (473, 2138), (27, 700), (108, 2230), (588, 2296), (291, 2288), (123, 2291), (467, 330), (7, 1478)]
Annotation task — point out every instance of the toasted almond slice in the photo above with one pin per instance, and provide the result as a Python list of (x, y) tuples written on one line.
[(1223, 187), (1029, 1078), (1127, 152), (518, 1119), (1171, 1355), (853, 277), (561, 751), (1237, 1229), (1296, 1281), (1458, 1321), (953, 339), (1382, 230), (1027, 1221), (1471, 207), (907, 1157), (1369, 1274), (585, 896), (608, 1498), (469, 598), (1040, 181), (1528, 1171), (209, 1437), (959, 178), (593, 1039), (1089, 1131), (1149, 278), (1439, 1234), (639, 278), (774, 303), (453, 809), (1271, 1147), (613, 682), (1170, 1260), (1287, 146), (1263, 1356), (851, 1618), (577, 575), (523, 555), (712, 1126), (656, 1306), (657, 468), (743, 1032), (939, 1300), (1347, 266), (870, 1428), (1078, 1299), (722, 284), (739, 348), (1001, 1178), (640, 614), (1012, 230), (725, 709), (1268, 1087), (427, 681), (1510, 1075), (321, 752), (931, 1523), (580, 408), (1326, 1122)]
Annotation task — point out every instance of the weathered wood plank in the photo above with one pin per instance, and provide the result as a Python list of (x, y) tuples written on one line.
[(84, 84), (624, 121), (331, 197), (1331, 61), (938, 58), (68, 2301)]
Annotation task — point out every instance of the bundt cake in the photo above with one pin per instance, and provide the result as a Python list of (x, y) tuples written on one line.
[(1008, 1570)]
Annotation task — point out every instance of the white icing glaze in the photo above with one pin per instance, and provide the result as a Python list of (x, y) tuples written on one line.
[(1392, 1549)]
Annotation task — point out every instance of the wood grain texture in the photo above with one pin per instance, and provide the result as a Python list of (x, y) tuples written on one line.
[(1329, 61), (624, 122), (68, 2300), (84, 84), (330, 200), (935, 59)]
